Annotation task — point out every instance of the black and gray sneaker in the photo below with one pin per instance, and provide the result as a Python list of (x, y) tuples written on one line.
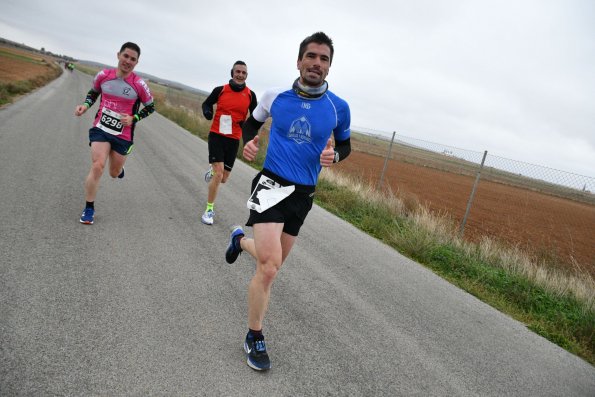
[(234, 248), (256, 353)]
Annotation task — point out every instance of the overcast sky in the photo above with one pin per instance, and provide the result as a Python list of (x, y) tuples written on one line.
[(513, 77)]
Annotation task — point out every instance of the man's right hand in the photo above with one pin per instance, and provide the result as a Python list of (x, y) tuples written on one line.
[(79, 110), (251, 149)]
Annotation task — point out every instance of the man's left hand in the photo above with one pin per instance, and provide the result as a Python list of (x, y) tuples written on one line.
[(126, 119), (328, 154)]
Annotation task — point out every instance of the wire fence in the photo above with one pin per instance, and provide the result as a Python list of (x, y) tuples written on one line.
[(547, 212)]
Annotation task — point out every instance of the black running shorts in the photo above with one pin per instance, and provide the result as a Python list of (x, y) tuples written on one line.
[(223, 150), (118, 145), (292, 211)]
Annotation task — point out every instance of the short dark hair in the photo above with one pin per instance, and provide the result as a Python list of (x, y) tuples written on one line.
[(238, 63), (234, 66), (132, 46), (318, 38)]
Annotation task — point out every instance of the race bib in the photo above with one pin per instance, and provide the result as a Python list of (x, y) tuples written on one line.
[(110, 122), (267, 194), (225, 124)]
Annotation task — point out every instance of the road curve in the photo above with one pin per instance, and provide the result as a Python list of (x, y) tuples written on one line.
[(143, 303)]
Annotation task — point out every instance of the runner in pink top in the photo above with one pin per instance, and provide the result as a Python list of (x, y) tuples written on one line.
[(119, 96), (111, 136)]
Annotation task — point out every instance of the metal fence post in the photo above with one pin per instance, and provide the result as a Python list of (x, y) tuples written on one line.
[(386, 161), (462, 229)]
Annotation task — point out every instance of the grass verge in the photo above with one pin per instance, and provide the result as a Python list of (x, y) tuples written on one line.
[(557, 306), (10, 90)]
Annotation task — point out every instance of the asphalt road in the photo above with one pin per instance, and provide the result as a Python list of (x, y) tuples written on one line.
[(143, 302)]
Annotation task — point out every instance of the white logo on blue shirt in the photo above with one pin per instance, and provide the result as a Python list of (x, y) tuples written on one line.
[(300, 130)]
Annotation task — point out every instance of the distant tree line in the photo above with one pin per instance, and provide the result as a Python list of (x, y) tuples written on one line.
[(11, 43)]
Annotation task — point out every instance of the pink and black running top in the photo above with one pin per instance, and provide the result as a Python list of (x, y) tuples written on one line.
[(119, 96)]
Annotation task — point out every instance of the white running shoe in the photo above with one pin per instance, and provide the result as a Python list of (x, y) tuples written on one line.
[(207, 217)]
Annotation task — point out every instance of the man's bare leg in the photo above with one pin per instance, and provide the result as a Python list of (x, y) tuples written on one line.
[(99, 154), (270, 248)]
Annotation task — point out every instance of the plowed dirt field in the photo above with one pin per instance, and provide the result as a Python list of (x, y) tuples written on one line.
[(544, 225)]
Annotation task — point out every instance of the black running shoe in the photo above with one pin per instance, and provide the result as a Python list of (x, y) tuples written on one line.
[(256, 353), (234, 248), (121, 174)]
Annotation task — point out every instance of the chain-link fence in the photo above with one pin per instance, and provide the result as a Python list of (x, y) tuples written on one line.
[(547, 212)]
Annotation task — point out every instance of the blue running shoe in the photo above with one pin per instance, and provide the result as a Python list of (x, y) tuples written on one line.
[(87, 216), (234, 248), (121, 174), (256, 353)]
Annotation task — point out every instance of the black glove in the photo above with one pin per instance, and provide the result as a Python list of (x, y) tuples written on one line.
[(208, 114)]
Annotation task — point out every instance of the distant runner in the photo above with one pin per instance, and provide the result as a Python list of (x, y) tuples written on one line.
[(234, 101), (111, 136)]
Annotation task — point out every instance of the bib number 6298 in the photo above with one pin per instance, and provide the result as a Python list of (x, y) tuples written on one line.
[(110, 122)]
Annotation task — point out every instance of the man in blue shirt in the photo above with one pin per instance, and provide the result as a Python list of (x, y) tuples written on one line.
[(303, 118)]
